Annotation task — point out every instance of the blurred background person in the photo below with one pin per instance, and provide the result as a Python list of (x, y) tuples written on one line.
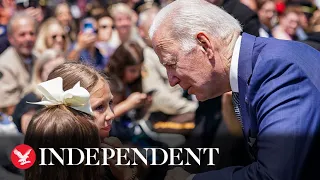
[(52, 35), (105, 28), (170, 111), (63, 14), (24, 111), (16, 62), (8, 8), (288, 24), (252, 4), (305, 9), (124, 70), (84, 49), (246, 16), (31, 7), (267, 16), (125, 26), (314, 34)]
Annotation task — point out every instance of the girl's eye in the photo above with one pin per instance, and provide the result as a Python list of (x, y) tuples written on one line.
[(111, 103), (100, 108)]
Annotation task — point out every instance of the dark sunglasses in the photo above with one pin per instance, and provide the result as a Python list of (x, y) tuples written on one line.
[(62, 36)]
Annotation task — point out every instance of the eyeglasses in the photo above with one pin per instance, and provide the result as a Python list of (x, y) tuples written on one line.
[(55, 37)]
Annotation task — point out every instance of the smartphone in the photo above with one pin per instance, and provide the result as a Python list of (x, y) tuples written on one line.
[(88, 27), (151, 92)]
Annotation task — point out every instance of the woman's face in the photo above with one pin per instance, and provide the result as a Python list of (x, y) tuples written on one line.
[(105, 28), (101, 102), (290, 23), (56, 37), (64, 15), (267, 12), (132, 73)]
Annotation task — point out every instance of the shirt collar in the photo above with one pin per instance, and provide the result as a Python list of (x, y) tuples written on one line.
[(234, 66)]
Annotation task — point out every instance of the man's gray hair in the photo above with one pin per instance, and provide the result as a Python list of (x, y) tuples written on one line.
[(16, 16), (186, 18)]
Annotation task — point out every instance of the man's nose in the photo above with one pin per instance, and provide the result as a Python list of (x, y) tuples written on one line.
[(173, 80)]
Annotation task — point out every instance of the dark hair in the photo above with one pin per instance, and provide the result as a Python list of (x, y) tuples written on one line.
[(260, 3), (291, 9), (102, 15), (127, 54), (62, 127)]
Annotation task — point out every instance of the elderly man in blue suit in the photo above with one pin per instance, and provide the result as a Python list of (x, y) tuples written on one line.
[(275, 86)]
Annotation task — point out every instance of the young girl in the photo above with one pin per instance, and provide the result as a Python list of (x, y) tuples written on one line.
[(100, 102), (61, 127)]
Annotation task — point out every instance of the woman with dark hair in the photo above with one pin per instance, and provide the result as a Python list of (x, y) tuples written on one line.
[(124, 70)]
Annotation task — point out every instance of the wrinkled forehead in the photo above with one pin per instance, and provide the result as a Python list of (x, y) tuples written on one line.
[(163, 41)]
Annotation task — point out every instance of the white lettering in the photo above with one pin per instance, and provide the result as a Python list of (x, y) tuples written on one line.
[(60, 159), (211, 155), (154, 156), (143, 159), (172, 156), (93, 156), (105, 155), (193, 156), (119, 156), (42, 151)]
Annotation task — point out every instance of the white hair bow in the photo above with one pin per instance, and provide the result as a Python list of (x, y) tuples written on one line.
[(76, 98)]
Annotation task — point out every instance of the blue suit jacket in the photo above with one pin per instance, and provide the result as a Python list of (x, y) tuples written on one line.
[(279, 87)]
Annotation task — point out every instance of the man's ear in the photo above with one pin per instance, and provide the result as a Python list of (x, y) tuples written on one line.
[(206, 44)]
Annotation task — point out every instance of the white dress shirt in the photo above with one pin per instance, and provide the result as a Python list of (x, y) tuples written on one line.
[(234, 66)]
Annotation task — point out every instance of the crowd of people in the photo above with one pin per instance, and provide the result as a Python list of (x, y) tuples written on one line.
[(105, 45)]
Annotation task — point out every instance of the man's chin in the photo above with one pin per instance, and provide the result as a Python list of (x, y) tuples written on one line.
[(201, 97)]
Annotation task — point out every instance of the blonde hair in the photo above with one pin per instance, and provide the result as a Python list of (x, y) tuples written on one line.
[(41, 43), (120, 8), (58, 7)]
